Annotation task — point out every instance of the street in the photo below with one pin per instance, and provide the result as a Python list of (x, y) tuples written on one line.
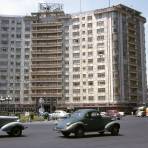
[(133, 134)]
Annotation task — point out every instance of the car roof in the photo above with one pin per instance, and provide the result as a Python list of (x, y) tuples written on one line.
[(86, 110)]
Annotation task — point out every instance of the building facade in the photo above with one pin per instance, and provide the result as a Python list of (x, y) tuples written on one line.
[(106, 59), (47, 56), (14, 61), (89, 59)]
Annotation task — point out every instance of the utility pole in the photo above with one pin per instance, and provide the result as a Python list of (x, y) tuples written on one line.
[(80, 6)]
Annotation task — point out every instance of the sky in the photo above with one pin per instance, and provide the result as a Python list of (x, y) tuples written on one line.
[(25, 7)]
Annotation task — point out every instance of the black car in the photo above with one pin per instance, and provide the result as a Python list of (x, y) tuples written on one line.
[(11, 125), (87, 120)]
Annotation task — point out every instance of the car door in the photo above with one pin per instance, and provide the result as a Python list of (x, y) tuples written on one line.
[(92, 121)]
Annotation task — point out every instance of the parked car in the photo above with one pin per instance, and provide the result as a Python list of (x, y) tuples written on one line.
[(58, 114), (11, 125), (87, 120), (141, 111), (113, 114)]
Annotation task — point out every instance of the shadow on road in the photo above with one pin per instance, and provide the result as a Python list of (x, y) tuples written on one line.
[(72, 136)]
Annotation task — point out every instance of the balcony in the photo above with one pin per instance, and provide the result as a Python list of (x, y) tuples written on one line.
[(51, 37), (53, 24), (47, 44), (41, 52), (35, 73), (46, 80), (46, 65), (44, 30), (47, 95), (47, 59)]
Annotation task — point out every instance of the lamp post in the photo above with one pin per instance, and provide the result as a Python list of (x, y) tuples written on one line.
[(8, 99), (1, 100)]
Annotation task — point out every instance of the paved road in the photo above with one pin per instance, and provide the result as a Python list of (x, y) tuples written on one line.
[(133, 134)]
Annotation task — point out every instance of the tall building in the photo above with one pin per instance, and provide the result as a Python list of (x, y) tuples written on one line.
[(47, 55), (14, 61), (106, 59), (89, 59)]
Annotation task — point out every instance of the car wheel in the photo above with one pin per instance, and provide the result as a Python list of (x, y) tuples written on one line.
[(16, 132), (66, 134), (115, 131), (79, 132)]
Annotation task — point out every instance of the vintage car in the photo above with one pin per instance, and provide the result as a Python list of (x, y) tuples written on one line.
[(58, 114), (87, 120), (114, 114), (11, 125)]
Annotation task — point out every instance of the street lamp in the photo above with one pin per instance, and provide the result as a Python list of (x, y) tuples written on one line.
[(1, 100), (8, 99)]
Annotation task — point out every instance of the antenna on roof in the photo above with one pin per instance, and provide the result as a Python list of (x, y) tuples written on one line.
[(80, 7)]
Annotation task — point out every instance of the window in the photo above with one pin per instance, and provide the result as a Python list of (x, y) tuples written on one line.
[(89, 18), (100, 23), (18, 36), (89, 25), (75, 40), (90, 39), (100, 67), (75, 27), (101, 37), (75, 20), (101, 82), (76, 98), (101, 98), (90, 68), (90, 61), (89, 32), (100, 30), (76, 55), (100, 52), (90, 83), (90, 46), (76, 91), (90, 54), (101, 75), (100, 44), (90, 75), (83, 32), (99, 60), (76, 76), (83, 25), (76, 69), (83, 18), (27, 29), (101, 90), (76, 48), (76, 62), (75, 33), (90, 98)]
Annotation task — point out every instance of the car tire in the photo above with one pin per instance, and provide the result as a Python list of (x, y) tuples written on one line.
[(65, 134), (15, 132), (115, 131), (79, 132)]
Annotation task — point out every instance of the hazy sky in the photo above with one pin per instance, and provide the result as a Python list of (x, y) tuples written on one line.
[(25, 7)]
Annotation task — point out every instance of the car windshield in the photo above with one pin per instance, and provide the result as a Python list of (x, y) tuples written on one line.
[(77, 114)]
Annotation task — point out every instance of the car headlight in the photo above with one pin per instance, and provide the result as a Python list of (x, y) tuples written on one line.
[(68, 123)]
